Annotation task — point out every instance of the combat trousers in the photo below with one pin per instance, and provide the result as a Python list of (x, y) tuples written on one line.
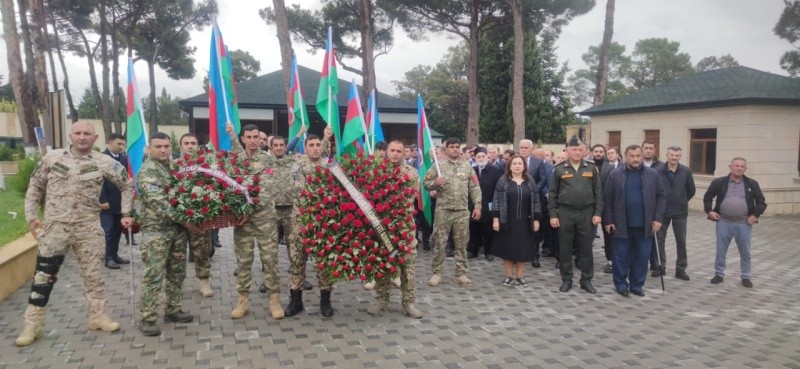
[(164, 258), (200, 244), (297, 265), (259, 229), (285, 223), (458, 222), (407, 279), (86, 239), (576, 231)]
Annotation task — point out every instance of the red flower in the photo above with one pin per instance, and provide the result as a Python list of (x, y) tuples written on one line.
[(321, 266), (351, 277), (204, 210), (193, 195), (386, 221), (189, 212), (363, 277), (335, 273), (379, 275)]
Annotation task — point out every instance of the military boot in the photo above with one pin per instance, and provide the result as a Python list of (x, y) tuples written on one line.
[(464, 281), (205, 288), (295, 304), (241, 307), (378, 306), (103, 323), (412, 311), (178, 317), (275, 309), (149, 328), (435, 279), (325, 308), (31, 333)]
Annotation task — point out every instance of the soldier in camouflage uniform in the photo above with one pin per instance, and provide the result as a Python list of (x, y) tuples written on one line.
[(70, 181), (297, 256), (163, 247), (199, 243), (407, 280), (259, 228), (456, 185)]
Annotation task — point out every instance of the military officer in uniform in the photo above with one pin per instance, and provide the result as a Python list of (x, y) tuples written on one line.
[(163, 246), (297, 256), (259, 227), (456, 185), (575, 204), (70, 181), (407, 280), (199, 243)]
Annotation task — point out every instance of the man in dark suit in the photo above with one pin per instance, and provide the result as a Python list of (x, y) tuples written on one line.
[(496, 158), (538, 172), (610, 163), (110, 201), (480, 231)]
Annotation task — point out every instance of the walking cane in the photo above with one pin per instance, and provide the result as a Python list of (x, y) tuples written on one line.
[(658, 258), (133, 289)]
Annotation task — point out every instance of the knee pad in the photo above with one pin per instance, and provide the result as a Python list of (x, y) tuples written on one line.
[(44, 279)]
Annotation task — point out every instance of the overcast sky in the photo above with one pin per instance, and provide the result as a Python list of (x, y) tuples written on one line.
[(742, 28)]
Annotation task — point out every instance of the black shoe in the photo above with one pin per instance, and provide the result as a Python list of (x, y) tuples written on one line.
[(747, 283), (325, 308), (295, 304), (623, 292), (638, 293), (522, 282), (508, 281), (587, 286), (178, 317), (682, 275), (112, 264), (307, 286), (565, 286), (655, 273), (262, 288), (149, 328), (426, 246), (596, 235), (134, 243), (716, 280), (120, 260), (236, 272), (449, 253), (608, 269), (472, 255), (217, 244), (489, 257), (213, 251), (558, 265), (535, 263)]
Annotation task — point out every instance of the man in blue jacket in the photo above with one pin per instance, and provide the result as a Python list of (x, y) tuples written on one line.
[(635, 199)]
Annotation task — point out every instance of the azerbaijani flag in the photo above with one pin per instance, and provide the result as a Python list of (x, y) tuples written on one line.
[(327, 106), (374, 130), (222, 105), (426, 158), (135, 130), (298, 115), (354, 127)]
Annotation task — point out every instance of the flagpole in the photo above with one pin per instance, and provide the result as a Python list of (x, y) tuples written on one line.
[(138, 102), (430, 139)]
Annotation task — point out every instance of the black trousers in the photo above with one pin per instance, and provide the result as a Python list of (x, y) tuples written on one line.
[(480, 235)]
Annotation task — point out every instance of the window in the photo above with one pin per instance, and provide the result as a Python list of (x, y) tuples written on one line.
[(654, 136), (614, 139), (703, 151)]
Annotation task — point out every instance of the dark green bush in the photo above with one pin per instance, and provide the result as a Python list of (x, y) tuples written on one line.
[(26, 166)]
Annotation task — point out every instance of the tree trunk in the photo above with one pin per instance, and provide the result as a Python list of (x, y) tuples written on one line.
[(105, 72), (40, 47), (119, 107), (367, 50), (92, 74), (602, 67), (73, 113), (50, 58), (27, 45), (284, 39), (474, 105), (518, 74), (25, 112), (153, 101)]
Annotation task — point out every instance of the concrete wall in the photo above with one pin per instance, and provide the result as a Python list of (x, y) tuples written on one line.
[(767, 136)]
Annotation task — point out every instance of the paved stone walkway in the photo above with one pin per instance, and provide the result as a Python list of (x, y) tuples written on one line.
[(693, 325)]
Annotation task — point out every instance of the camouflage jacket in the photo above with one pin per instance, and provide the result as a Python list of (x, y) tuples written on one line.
[(285, 191), (461, 186), (152, 182), (413, 182), (71, 186), (261, 164)]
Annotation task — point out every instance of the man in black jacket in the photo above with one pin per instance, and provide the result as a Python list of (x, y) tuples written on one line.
[(480, 231), (634, 199), (738, 206), (612, 162), (679, 182), (110, 200)]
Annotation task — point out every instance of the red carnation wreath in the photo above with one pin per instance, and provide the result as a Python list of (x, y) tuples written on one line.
[(338, 234)]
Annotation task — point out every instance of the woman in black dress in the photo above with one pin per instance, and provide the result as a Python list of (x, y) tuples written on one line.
[(516, 212)]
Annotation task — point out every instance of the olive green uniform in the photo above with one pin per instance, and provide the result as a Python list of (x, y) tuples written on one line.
[(575, 197)]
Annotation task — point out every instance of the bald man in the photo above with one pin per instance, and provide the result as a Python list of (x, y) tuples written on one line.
[(70, 180)]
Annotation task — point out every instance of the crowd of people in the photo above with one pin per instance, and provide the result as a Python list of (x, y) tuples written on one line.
[(519, 206)]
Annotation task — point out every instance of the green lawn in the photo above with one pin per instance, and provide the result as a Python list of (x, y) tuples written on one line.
[(11, 200)]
